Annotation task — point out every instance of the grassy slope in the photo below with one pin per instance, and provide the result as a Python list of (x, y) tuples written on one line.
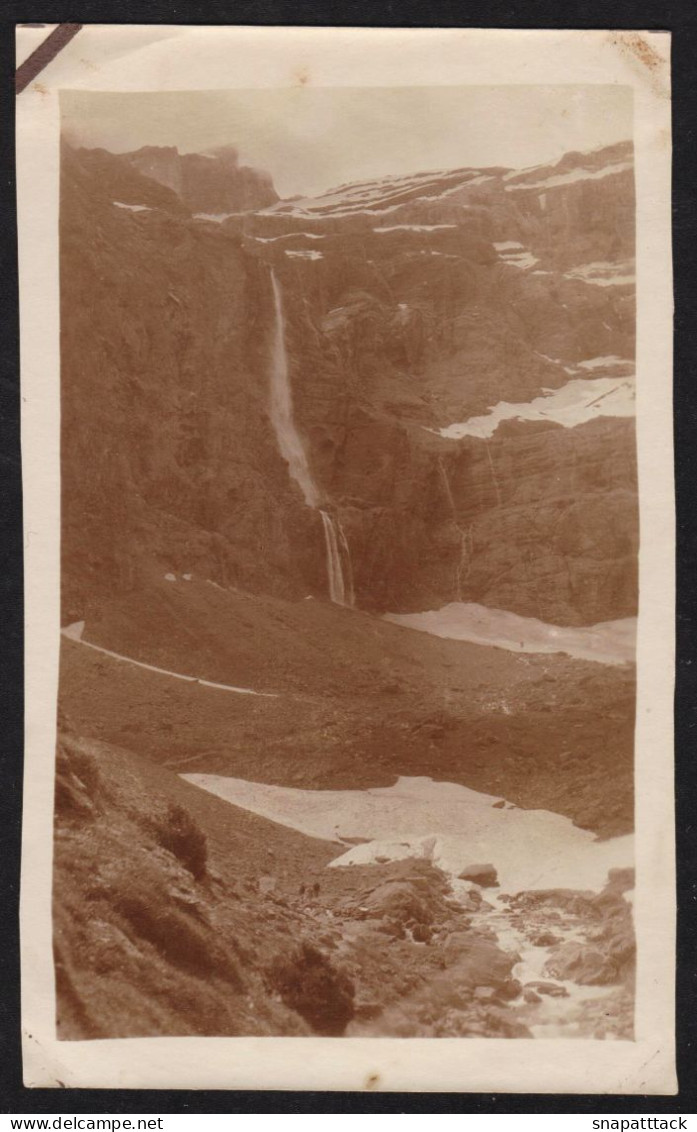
[(360, 702), (265, 941)]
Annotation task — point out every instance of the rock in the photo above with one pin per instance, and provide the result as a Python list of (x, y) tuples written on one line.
[(468, 904), (499, 805), (209, 183), (483, 875), (485, 994), (620, 880), (367, 1009), (581, 963), (421, 933), (402, 900), (456, 944), (530, 996), (609, 1016), (544, 939), (500, 1022), (509, 989), (392, 927), (552, 990)]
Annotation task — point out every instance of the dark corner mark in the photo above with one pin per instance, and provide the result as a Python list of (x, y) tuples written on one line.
[(44, 53)]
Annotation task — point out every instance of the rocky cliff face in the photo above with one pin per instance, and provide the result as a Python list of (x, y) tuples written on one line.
[(410, 304), (206, 182), (164, 399)]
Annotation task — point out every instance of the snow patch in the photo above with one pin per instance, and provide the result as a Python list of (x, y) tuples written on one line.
[(74, 632), (414, 227), (132, 207), (304, 255), (381, 195), (289, 236), (579, 401), (607, 642), (514, 253), (604, 274), (444, 822), (216, 217), (573, 176), (524, 261), (451, 191), (604, 362)]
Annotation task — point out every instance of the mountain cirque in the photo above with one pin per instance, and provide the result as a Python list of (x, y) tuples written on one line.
[(401, 318), (409, 305)]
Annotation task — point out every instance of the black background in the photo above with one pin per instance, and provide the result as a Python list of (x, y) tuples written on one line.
[(681, 20)]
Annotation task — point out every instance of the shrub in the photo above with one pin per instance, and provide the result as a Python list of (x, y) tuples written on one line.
[(308, 983), (179, 834), (78, 785), (191, 946)]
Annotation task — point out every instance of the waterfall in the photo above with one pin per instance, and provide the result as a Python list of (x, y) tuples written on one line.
[(350, 595), (289, 442), (335, 574), (293, 451)]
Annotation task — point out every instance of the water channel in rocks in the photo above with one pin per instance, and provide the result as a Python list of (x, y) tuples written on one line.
[(548, 872)]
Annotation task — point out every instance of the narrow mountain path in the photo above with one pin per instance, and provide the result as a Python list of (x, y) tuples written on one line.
[(74, 633)]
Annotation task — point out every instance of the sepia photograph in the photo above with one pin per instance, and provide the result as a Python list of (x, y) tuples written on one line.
[(349, 564), (349, 543)]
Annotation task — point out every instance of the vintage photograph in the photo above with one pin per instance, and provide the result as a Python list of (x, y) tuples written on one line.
[(349, 540)]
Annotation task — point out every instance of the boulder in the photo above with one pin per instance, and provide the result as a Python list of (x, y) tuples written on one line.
[(457, 944), (483, 875), (398, 900), (552, 990), (544, 939), (620, 880), (581, 963), (421, 933), (509, 989), (391, 926), (468, 903)]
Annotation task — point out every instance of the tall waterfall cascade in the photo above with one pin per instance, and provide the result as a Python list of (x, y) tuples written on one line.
[(340, 583), (292, 449), (289, 442)]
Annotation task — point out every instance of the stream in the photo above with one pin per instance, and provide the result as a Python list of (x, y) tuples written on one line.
[(453, 827)]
